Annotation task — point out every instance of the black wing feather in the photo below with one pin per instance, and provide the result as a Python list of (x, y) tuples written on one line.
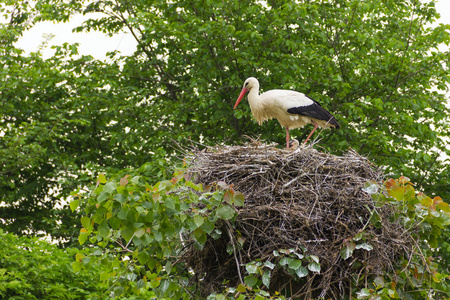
[(316, 111)]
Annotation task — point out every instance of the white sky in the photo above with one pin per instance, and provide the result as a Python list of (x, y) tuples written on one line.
[(98, 44), (92, 43)]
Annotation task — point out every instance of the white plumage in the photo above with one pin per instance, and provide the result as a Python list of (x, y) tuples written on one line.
[(292, 109)]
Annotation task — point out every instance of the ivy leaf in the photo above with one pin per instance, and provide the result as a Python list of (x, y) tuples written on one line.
[(302, 272), (363, 294), (269, 265), (365, 246), (251, 268), (314, 267), (371, 187), (294, 264), (347, 250)]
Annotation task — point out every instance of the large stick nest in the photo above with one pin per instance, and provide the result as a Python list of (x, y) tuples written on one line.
[(295, 199)]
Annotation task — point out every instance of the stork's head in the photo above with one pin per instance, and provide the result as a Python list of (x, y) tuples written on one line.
[(249, 84)]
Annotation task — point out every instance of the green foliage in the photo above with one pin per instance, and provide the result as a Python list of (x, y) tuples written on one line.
[(423, 274), (64, 120), (142, 231), (35, 269), (61, 123), (375, 64)]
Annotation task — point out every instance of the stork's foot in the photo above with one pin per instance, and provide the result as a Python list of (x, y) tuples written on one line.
[(293, 144)]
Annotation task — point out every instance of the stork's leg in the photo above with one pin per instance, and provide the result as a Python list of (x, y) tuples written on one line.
[(287, 137), (315, 127)]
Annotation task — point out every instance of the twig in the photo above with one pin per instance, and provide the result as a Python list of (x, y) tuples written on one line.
[(234, 251)]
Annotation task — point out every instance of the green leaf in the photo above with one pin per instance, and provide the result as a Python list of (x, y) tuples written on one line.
[(122, 214), (208, 227), (74, 204), (314, 258), (102, 196), (284, 261), (135, 179), (250, 280), (86, 222), (397, 193), (76, 266), (200, 236), (269, 265), (363, 294), (199, 220), (226, 212), (266, 278), (365, 246), (379, 282), (195, 187), (241, 288), (143, 257), (101, 178), (83, 236), (110, 187), (347, 251), (371, 187), (302, 272), (120, 198), (314, 267), (294, 264), (238, 199), (139, 232), (103, 229), (168, 267), (251, 268), (127, 233)]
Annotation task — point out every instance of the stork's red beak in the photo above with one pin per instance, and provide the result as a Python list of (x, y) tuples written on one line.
[(241, 95)]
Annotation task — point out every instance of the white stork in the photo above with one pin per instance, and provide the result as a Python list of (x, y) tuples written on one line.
[(292, 109)]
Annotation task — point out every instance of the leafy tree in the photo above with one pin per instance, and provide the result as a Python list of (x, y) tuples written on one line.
[(35, 269), (375, 64), (60, 123)]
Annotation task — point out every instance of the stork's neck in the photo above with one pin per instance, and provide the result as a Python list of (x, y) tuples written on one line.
[(253, 97)]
